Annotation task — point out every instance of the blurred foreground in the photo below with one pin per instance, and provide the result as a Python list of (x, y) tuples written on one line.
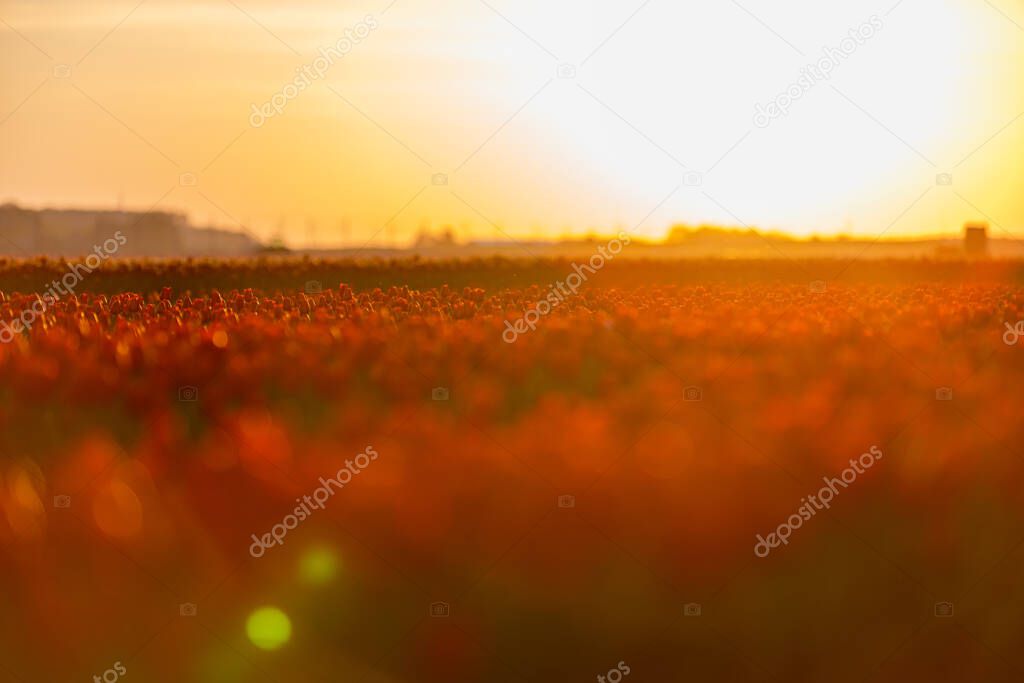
[(542, 506)]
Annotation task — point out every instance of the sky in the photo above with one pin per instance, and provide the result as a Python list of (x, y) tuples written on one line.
[(519, 119)]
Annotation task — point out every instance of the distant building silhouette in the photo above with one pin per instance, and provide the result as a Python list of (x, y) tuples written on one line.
[(976, 239), (75, 232), (426, 240)]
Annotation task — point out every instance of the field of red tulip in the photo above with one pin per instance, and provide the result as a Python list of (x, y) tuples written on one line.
[(302, 470)]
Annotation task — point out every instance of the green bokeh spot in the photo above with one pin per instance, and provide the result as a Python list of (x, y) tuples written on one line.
[(318, 566), (268, 628)]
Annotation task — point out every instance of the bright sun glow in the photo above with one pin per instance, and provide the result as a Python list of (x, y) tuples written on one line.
[(546, 119)]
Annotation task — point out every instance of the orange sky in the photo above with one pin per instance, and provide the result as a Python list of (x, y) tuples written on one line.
[(108, 100)]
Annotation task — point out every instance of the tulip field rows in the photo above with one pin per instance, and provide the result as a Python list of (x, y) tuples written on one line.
[(543, 510)]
